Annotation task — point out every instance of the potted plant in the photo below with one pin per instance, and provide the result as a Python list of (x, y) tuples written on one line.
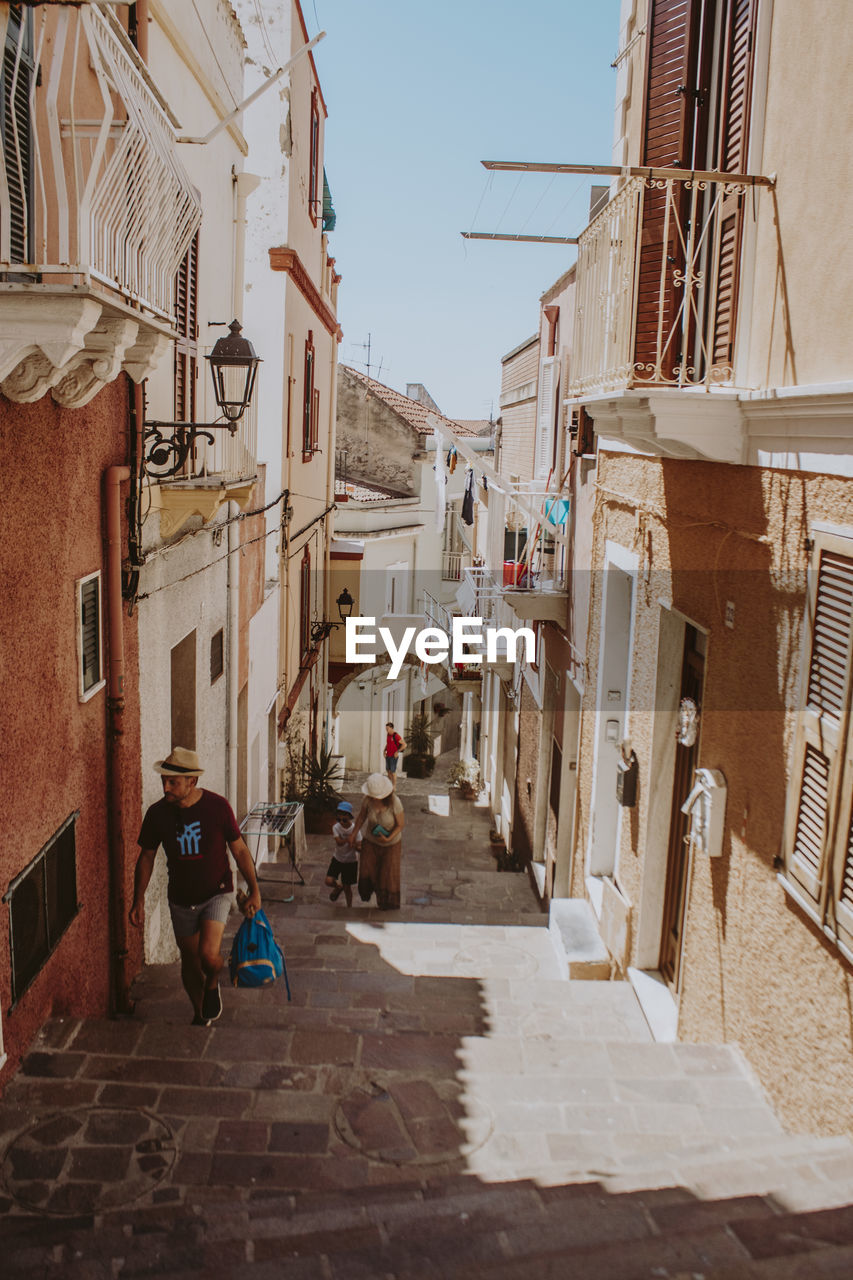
[(317, 792), (465, 776), (420, 761)]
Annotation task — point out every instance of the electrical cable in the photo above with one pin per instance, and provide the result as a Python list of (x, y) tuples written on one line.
[(145, 595), (215, 58), (509, 202), (262, 26)]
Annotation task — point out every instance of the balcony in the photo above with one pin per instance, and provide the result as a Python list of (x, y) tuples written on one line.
[(451, 566), (96, 212), (656, 309)]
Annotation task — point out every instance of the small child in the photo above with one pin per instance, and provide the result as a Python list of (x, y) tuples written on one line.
[(345, 858)]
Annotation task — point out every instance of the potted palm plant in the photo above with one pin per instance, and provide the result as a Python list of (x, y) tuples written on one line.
[(318, 794), (419, 762)]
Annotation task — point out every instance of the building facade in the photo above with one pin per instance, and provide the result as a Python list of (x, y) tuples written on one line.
[(88, 260), (716, 368)]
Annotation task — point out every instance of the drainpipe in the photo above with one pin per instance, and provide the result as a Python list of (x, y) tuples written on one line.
[(142, 29), (120, 981), (232, 597)]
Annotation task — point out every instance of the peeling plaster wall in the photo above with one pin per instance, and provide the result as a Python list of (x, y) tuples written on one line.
[(380, 446), (754, 968)]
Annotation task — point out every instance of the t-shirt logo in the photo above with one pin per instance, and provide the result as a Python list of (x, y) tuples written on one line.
[(190, 840)]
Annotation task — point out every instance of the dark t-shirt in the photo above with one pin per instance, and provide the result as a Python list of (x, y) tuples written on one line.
[(195, 841)]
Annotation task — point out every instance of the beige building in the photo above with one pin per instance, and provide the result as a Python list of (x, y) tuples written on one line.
[(712, 351), (290, 297)]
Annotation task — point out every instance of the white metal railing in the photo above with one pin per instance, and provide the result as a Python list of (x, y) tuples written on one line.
[(530, 550), (451, 566), (654, 254), (229, 457), (90, 176)]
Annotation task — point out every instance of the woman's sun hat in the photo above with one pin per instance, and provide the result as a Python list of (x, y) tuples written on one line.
[(179, 763), (377, 786)]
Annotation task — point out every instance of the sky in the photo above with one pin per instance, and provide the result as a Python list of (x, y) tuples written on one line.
[(418, 94)]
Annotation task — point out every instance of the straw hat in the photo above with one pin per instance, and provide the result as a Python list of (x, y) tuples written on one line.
[(179, 763), (377, 786)]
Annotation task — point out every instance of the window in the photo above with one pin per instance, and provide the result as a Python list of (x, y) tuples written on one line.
[(42, 903), (305, 603), (217, 655), (546, 412), (186, 343), (819, 827), (310, 402), (16, 142), (314, 203), (89, 646)]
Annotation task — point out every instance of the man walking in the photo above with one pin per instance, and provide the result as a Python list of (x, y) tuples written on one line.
[(394, 746), (196, 828)]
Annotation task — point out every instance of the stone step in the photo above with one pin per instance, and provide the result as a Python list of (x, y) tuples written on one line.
[(460, 1230)]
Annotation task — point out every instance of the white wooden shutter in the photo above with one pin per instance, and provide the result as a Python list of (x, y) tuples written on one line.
[(819, 754), (546, 412)]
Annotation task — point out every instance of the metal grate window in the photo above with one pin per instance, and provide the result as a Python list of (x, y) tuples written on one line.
[(42, 903)]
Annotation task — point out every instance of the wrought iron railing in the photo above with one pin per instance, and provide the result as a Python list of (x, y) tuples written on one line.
[(656, 284), (90, 184)]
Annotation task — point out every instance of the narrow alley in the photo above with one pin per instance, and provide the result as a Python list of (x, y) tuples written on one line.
[(436, 1099)]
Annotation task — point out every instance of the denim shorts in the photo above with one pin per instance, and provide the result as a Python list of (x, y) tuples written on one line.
[(391, 764), (186, 921)]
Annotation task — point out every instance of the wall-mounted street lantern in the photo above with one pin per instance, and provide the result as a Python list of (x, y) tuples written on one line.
[(233, 367), (320, 630)]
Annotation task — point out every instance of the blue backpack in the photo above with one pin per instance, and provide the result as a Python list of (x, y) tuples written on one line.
[(256, 958)]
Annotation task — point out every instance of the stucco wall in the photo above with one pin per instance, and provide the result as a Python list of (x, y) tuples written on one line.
[(54, 747), (754, 969), (802, 330)]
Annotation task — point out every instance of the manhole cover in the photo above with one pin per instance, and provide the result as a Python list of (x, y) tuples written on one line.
[(84, 1160), (413, 1122), (494, 960)]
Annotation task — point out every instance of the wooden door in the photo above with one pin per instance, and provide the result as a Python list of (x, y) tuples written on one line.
[(678, 856)]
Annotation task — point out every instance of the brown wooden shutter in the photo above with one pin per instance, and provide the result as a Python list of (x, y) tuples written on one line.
[(186, 345), (819, 754), (667, 143), (731, 157)]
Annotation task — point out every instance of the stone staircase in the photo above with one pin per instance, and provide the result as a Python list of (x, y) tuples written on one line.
[(437, 1100)]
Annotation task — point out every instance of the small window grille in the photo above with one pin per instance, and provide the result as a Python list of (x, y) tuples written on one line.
[(42, 903), (89, 642)]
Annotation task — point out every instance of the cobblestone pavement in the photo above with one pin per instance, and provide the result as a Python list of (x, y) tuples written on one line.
[(436, 1100)]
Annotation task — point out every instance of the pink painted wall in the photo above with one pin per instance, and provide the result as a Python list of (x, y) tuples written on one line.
[(53, 750)]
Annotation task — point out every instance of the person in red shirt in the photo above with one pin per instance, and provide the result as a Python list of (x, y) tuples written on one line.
[(394, 745), (196, 829)]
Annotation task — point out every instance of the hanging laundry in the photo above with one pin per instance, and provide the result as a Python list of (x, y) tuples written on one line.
[(468, 500), (451, 460)]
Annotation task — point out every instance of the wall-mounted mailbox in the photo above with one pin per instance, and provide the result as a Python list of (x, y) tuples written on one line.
[(626, 781), (706, 806)]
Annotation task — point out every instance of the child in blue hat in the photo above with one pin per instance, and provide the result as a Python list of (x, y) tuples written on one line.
[(344, 864)]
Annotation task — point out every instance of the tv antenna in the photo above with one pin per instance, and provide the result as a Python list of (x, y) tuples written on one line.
[(366, 365)]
